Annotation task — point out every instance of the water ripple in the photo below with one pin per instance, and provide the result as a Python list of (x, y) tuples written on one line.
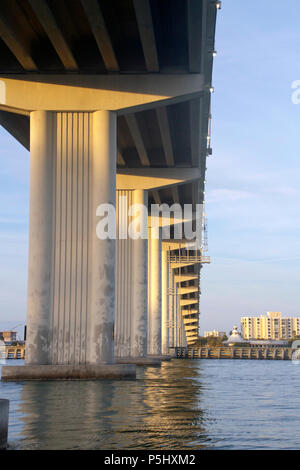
[(220, 404)]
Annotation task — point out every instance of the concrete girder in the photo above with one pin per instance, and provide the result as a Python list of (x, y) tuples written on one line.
[(138, 142), (175, 194), (120, 159), (195, 192), (16, 45), (98, 27), (156, 197), (163, 123), (47, 20), (196, 21), (145, 25), (195, 118)]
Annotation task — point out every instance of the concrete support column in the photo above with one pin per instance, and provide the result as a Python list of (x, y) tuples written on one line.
[(4, 407), (172, 306), (154, 293), (71, 280), (124, 283), (184, 342), (39, 302), (164, 303), (176, 315), (103, 252), (140, 283)]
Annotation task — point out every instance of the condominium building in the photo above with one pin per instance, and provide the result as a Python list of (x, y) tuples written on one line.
[(215, 333), (271, 326)]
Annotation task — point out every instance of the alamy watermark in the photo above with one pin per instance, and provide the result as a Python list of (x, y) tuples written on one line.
[(134, 221)]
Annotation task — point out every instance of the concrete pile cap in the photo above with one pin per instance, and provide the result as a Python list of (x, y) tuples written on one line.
[(68, 372)]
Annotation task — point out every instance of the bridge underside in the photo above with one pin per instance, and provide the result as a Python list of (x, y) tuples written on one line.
[(112, 98)]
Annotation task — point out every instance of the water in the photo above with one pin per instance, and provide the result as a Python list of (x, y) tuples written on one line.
[(185, 404)]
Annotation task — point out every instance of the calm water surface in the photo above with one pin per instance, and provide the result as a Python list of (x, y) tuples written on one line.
[(185, 404)]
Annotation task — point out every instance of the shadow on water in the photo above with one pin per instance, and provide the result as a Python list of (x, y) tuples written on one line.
[(160, 410)]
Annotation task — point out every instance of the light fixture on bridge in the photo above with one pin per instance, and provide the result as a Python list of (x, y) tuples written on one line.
[(212, 89), (214, 53), (219, 5)]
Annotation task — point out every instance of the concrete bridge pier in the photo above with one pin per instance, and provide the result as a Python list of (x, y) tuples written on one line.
[(72, 172), (154, 292), (116, 119), (140, 284), (71, 281), (164, 303), (131, 325), (157, 297)]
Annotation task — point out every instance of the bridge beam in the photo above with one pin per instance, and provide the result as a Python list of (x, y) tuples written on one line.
[(121, 93), (150, 178)]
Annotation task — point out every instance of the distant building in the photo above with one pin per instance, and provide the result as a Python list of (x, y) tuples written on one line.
[(215, 333), (15, 352), (8, 336), (270, 327), (234, 338)]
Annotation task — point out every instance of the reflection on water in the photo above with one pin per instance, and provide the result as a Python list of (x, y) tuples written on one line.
[(161, 409), (182, 405)]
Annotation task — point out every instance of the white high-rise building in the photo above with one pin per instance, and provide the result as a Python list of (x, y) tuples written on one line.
[(271, 326)]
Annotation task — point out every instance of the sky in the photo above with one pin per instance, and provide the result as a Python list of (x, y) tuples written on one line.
[(252, 189)]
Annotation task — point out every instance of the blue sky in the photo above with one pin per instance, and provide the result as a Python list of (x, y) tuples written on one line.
[(252, 190), (14, 214)]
